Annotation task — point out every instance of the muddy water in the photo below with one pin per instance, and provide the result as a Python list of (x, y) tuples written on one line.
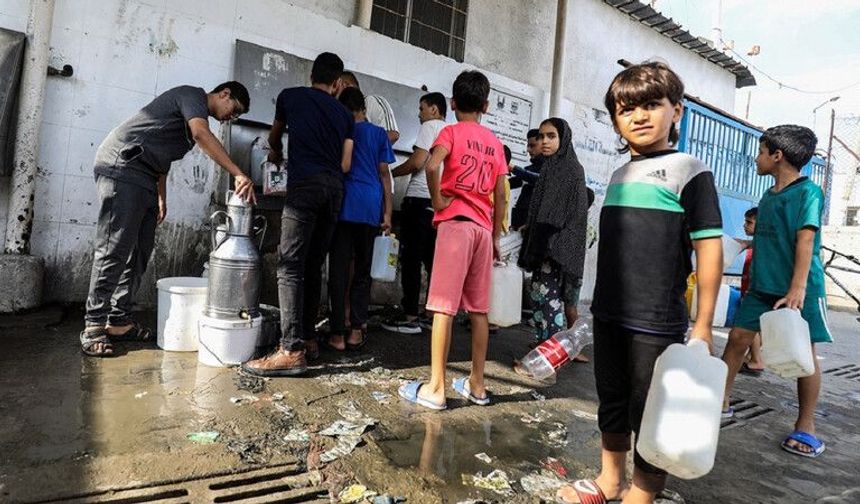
[(446, 448)]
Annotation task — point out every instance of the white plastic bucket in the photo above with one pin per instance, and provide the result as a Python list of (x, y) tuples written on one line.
[(180, 306), (228, 342)]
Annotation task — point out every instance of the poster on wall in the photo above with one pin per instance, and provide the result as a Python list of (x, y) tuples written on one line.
[(509, 117)]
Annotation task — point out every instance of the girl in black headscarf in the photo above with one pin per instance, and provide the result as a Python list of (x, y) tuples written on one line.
[(554, 239)]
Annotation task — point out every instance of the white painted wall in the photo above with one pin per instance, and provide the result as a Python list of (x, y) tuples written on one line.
[(847, 241), (125, 52)]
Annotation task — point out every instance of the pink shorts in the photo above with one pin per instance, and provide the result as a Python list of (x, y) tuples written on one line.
[(462, 268)]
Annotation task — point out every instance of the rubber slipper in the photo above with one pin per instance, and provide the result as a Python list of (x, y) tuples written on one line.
[(91, 339), (747, 370), (461, 386), (352, 347), (807, 439), (136, 333), (409, 391), (587, 492), (727, 413)]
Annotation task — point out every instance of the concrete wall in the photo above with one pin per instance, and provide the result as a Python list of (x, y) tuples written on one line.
[(125, 52), (847, 241)]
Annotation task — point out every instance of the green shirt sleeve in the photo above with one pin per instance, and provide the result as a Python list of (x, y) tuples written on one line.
[(810, 209)]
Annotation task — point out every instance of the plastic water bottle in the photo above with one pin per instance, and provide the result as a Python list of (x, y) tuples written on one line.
[(553, 353), (681, 421), (384, 264)]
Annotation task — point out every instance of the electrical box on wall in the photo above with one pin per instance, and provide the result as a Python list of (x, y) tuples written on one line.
[(11, 60)]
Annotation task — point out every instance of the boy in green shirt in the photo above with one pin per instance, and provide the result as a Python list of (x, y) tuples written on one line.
[(786, 268)]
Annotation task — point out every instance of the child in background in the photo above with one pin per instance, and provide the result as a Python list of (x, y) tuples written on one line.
[(659, 207), (754, 365), (366, 208), (468, 224), (786, 269)]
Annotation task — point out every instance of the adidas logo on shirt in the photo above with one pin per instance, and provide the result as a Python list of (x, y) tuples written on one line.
[(660, 174)]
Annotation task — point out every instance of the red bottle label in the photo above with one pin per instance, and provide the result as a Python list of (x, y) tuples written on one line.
[(554, 352)]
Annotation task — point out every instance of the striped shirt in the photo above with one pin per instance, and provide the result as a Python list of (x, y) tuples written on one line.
[(655, 206)]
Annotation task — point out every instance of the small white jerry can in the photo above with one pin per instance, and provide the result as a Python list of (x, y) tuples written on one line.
[(785, 344), (506, 295), (385, 251), (681, 422)]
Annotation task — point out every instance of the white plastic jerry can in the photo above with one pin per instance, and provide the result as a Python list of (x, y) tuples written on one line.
[(721, 309), (731, 249), (681, 422), (785, 344), (386, 248), (506, 295)]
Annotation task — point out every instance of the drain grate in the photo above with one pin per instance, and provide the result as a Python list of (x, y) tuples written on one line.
[(848, 371), (280, 483), (744, 411)]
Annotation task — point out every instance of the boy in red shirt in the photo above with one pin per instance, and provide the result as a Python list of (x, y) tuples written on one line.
[(468, 223)]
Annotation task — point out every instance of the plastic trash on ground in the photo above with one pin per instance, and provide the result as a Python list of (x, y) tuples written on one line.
[(345, 428), (483, 457), (298, 436), (355, 493), (244, 399), (497, 481), (543, 485), (538, 417), (546, 358), (345, 445), (203, 437), (554, 465), (557, 436)]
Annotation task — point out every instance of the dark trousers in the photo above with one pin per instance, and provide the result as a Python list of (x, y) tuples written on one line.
[(352, 241), (417, 244), (623, 364), (125, 235), (310, 214)]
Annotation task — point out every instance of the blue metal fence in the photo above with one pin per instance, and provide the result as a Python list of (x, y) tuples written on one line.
[(729, 148)]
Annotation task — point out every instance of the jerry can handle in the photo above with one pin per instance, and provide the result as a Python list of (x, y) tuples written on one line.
[(214, 230)]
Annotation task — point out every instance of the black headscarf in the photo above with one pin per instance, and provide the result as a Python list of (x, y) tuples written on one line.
[(557, 219)]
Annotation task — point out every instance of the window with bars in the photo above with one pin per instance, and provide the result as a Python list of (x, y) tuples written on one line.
[(436, 25), (852, 216)]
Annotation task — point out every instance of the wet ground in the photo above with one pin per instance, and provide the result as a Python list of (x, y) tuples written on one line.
[(71, 426)]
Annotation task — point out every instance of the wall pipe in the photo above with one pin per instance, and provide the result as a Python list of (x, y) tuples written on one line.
[(19, 219), (558, 59), (363, 12)]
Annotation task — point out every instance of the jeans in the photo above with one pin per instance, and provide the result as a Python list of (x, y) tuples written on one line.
[(417, 244), (308, 221), (125, 236), (352, 240)]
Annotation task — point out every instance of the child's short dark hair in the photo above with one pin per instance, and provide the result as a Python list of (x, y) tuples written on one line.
[(237, 91), (797, 143), (533, 133), (639, 84), (508, 154), (353, 99), (349, 76), (470, 91), (437, 99), (752, 212), (326, 69)]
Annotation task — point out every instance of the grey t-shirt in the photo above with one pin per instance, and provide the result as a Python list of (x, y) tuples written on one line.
[(141, 149)]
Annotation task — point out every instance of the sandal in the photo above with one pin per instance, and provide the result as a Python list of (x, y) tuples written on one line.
[(90, 340), (136, 333), (587, 491), (353, 347)]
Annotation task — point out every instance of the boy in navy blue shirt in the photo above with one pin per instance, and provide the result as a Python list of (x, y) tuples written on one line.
[(319, 153)]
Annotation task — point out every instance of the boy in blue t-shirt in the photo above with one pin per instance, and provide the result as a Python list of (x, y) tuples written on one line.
[(366, 208), (786, 268)]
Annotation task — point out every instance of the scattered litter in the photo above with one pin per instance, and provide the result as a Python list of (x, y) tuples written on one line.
[(483, 457), (541, 485), (538, 417), (381, 397), (252, 384), (344, 428), (670, 497), (285, 409), (277, 396), (585, 415), (497, 481), (554, 465), (326, 396), (349, 411), (140, 394), (298, 436), (351, 378), (249, 451), (355, 493), (203, 437), (537, 396), (516, 389), (557, 436), (244, 399), (387, 499), (345, 445)]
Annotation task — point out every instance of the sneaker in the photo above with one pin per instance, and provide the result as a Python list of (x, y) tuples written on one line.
[(425, 322), (402, 325)]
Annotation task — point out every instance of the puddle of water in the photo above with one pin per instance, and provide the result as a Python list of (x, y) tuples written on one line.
[(447, 449)]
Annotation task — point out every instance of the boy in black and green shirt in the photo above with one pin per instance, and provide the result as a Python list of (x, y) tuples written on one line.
[(659, 207), (786, 269)]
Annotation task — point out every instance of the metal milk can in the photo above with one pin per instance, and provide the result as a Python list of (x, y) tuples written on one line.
[(234, 263)]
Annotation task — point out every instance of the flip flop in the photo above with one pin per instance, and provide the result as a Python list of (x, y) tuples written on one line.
[(727, 413), (461, 386), (806, 438), (587, 491), (409, 391), (352, 347), (93, 338), (137, 332), (747, 370)]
